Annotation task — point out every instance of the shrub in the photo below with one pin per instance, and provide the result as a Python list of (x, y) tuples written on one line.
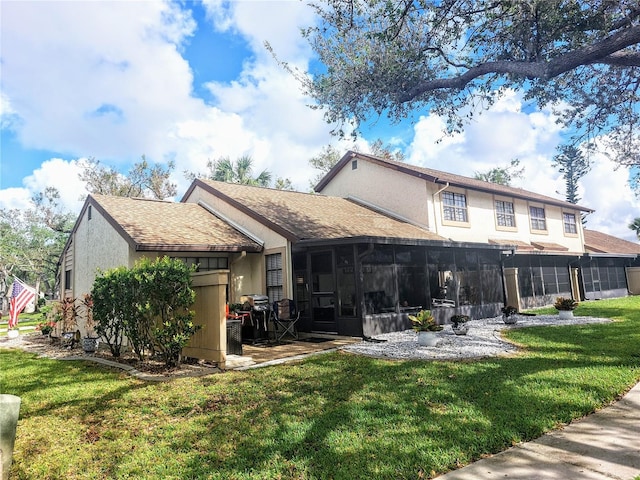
[(149, 304), (423, 321), (113, 304)]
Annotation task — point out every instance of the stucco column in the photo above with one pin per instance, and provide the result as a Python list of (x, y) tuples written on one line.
[(575, 285), (633, 280), (210, 342)]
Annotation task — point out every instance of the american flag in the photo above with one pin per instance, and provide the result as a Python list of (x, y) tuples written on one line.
[(20, 296)]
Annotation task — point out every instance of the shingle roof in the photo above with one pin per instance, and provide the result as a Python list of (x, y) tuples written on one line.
[(440, 177), (170, 226), (599, 242), (303, 216)]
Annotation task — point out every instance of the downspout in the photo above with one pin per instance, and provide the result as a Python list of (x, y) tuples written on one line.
[(435, 212)]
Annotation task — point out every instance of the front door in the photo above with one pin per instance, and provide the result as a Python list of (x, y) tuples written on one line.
[(323, 293)]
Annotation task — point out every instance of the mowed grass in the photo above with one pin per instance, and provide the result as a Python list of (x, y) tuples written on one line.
[(334, 416), (24, 320)]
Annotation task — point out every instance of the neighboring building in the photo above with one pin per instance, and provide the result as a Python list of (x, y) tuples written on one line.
[(609, 268), (542, 237)]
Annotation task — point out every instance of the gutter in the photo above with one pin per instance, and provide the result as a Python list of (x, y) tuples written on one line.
[(435, 212)]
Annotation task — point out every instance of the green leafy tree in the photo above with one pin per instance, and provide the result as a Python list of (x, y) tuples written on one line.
[(143, 180), (324, 161), (457, 57), (31, 241), (635, 226), (502, 175)]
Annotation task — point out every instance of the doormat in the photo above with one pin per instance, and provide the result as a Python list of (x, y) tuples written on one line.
[(315, 340)]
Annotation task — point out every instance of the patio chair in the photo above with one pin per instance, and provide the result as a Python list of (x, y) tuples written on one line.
[(285, 317)]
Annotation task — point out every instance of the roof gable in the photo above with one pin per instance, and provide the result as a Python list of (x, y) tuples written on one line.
[(436, 176)]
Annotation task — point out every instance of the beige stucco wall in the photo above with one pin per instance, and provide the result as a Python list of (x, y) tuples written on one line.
[(394, 191), (95, 245), (420, 201), (482, 225)]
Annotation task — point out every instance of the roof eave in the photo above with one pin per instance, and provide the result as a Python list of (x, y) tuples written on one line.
[(155, 247)]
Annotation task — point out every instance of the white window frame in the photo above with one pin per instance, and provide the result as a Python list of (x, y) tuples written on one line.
[(504, 214), (455, 209), (537, 221), (571, 223)]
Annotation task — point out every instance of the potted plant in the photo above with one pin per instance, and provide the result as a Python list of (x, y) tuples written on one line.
[(90, 341), (426, 326), (459, 324), (68, 313), (565, 307), (48, 322), (509, 315)]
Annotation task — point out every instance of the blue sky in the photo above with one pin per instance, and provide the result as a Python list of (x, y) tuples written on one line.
[(192, 81)]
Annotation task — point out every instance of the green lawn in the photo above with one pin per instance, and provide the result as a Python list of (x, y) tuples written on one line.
[(334, 416), (24, 320)]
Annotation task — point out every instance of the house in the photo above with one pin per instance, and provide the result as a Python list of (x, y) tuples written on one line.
[(381, 240), (352, 270), (542, 238)]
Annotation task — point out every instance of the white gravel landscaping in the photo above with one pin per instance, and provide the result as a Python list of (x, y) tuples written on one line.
[(482, 340)]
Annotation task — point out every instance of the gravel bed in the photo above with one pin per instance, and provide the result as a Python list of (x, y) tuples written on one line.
[(482, 340)]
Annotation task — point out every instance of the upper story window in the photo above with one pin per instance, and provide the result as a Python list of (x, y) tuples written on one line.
[(538, 220), (569, 221), (454, 206), (505, 214)]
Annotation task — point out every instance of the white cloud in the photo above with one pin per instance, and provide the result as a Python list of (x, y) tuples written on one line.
[(109, 80), (607, 191), (506, 132), (56, 172)]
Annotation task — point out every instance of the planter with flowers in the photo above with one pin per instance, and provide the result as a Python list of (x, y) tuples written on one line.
[(565, 307), (510, 315), (459, 324), (426, 326)]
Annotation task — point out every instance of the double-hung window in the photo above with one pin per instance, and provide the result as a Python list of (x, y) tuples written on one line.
[(569, 221), (454, 207), (538, 220), (505, 215)]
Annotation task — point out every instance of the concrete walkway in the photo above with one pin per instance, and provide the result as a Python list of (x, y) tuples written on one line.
[(605, 445)]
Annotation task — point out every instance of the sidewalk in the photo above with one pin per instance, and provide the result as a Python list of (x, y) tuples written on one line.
[(605, 445)]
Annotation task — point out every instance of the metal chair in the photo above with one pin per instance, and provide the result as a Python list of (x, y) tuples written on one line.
[(285, 316)]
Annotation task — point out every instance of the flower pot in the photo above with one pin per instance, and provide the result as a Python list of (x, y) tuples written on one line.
[(427, 339), (461, 329), (90, 344), (565, 314), (510, 319)]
